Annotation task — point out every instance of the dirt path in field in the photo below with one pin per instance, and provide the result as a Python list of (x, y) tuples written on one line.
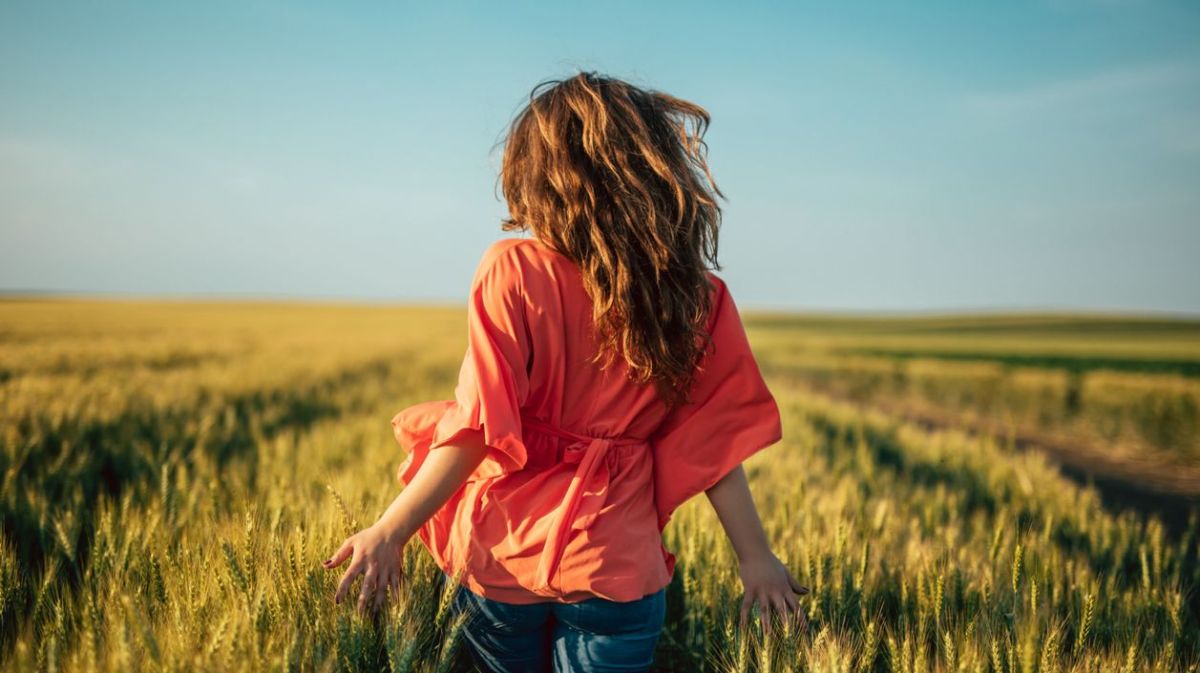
[(1171, 492)]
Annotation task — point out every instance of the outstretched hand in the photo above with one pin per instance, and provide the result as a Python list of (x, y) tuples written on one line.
[(378, 555), (767, 582), (764, 577)]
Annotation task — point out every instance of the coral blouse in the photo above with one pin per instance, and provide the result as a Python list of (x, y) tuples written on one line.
[(583, 467)]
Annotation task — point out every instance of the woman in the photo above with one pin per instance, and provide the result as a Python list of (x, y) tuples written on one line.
[(607, 380)]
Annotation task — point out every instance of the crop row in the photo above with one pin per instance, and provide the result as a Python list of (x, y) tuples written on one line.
[(1151, 415)]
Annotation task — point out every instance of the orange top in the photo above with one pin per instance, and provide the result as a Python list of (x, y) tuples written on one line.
[(583, 467)]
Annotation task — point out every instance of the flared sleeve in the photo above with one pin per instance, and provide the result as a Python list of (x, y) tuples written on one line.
[(493, 381), (730, 416)]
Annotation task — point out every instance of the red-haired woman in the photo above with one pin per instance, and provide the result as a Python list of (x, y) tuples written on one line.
[(607, 379)]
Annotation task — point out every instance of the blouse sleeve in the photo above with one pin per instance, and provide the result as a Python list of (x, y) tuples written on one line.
[(493, 381), (731, 415)]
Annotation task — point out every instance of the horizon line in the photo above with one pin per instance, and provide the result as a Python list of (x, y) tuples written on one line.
[(18, 294)]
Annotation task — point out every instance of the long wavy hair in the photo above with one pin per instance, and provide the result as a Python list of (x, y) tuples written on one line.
[(615, 178)]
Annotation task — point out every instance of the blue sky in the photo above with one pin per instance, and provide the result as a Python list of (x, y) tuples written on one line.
[(876, 156)]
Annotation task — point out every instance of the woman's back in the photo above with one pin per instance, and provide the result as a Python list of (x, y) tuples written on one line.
[(585, 465), (564, 387)]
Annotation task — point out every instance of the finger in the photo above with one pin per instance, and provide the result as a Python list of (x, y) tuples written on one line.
[(367, 590), (796, 586), (778, 604), (381, 593), (352, 571), (781, 608), (339, 557), (764, 614), (394, 584), (802, 621), (792, 602), (745, 610)]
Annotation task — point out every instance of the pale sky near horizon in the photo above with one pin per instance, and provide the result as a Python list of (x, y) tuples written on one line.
[(876, 156)]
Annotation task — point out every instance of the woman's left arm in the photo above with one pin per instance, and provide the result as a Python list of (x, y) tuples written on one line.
[(377, 551), (764, 577)]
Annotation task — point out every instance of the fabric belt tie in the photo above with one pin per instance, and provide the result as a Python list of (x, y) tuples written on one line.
[(585, 495)]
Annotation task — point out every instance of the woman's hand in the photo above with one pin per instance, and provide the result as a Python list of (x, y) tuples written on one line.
[(764, 577), (378, 554), (766, 581)]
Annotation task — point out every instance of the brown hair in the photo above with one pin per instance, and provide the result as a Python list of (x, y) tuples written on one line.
[(611, 176)]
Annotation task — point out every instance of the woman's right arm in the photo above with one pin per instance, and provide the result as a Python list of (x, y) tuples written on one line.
[(377, 551), (764, 577)]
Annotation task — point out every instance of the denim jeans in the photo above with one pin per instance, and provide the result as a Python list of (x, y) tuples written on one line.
[(593, 635)]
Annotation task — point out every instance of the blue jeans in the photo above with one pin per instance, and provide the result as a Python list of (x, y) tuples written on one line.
[(590, 636)]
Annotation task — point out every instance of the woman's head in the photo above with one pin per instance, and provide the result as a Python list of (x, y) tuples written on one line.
[(615, 178)]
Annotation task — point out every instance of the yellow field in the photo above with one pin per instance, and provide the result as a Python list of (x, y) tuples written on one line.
[(173, 474)]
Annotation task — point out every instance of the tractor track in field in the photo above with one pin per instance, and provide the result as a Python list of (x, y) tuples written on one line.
[(1170, 492)]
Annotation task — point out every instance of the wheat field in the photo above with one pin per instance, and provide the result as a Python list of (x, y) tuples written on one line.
[(174, 472)]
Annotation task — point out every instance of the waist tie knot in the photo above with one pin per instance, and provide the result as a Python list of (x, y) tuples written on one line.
[(585, 495)]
